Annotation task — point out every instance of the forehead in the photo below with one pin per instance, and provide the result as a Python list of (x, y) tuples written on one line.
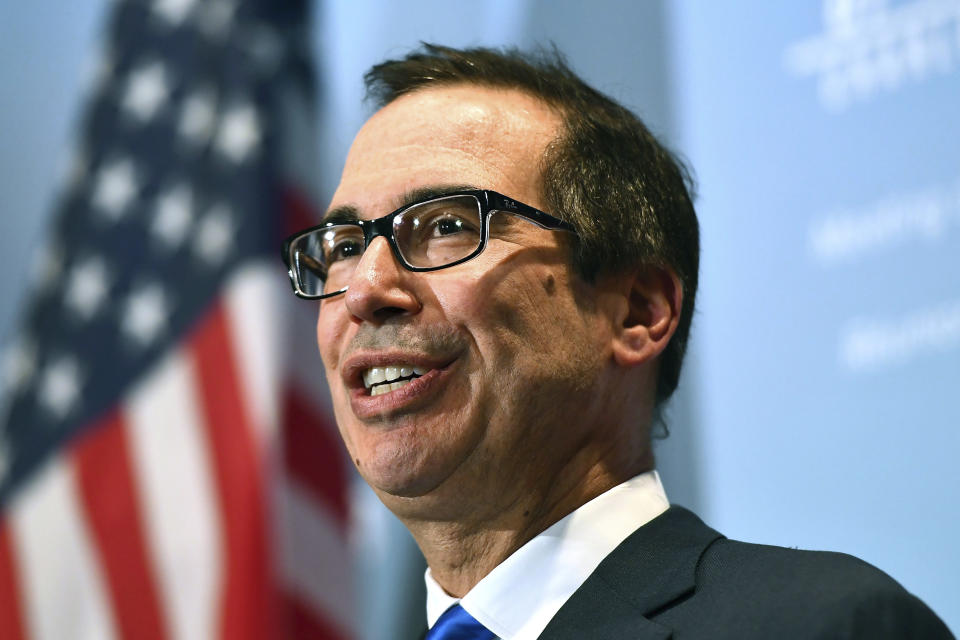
[(459, 135)]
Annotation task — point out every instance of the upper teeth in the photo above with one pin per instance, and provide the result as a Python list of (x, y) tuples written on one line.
[(376, 375)]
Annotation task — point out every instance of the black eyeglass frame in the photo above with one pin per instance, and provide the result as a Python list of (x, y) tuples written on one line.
[(490, 202)]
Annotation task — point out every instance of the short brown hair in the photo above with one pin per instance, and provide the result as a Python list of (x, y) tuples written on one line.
[(626, 194)]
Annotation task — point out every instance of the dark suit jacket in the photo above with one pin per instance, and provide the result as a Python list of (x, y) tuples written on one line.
[(676, 578)]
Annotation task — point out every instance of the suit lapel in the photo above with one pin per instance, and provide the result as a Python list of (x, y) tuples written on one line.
[(653, 568)]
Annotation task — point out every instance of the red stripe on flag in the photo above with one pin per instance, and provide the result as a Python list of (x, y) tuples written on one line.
[(313, 454), (107, 489), (300, 212), (305, 623), (11, 622), (247, 605)]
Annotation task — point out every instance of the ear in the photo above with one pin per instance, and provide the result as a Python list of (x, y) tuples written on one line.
[(653, 297)]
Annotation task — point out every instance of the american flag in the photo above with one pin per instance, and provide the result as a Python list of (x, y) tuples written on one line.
[(167, 469)]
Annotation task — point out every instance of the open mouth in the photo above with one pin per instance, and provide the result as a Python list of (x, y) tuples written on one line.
[(380, 380), (384, 385)]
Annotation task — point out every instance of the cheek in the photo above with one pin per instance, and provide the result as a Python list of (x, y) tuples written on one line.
[(520, 322), (531, 309), (329, 332)]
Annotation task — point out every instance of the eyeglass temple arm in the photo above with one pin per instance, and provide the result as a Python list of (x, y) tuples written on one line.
[(545, 220)]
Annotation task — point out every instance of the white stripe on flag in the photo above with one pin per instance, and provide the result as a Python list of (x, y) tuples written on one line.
[(304, 366), (171, 457), (64, 593), (317, 578), (254, 310)]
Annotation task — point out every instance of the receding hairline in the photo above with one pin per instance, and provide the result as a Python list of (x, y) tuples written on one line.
[(525, 118), (555, 108)]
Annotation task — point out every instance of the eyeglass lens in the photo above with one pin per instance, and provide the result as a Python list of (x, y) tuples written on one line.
[(431, 234)]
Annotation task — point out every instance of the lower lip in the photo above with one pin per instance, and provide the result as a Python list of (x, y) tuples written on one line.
[(407, 398)]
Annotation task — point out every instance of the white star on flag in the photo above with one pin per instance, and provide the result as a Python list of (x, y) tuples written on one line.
[(173, 11), (19, 365), (174, 215), (216, 17), (145, 314), (239, 133), (147, 89), (87, 287), (198, 117), (214, 234), (115, 188), (60, 386), (266, 48)]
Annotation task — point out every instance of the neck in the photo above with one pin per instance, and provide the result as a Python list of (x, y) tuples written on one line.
[(460, 553)]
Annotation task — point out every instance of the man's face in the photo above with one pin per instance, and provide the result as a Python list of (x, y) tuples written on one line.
[(511, 344)]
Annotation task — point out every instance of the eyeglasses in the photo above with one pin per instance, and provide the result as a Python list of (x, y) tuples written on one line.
[(433, 234)]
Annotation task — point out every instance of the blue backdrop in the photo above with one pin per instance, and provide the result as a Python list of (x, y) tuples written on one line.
[(827, 144)]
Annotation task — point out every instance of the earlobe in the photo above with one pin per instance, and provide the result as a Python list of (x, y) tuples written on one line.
[(650, 313)]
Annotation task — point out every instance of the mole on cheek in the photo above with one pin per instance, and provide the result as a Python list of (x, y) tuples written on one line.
[(549, 285)]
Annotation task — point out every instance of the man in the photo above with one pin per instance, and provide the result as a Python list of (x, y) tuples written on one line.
[(507, 273)]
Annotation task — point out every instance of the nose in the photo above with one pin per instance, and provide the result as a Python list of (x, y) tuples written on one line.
[(380, 287)]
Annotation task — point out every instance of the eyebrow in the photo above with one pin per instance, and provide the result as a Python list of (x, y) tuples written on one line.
[(351, 213), (431, 191), (343, 213)]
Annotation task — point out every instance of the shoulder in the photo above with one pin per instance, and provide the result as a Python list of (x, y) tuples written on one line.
[(677, 577), (827, 594), (783, 568)]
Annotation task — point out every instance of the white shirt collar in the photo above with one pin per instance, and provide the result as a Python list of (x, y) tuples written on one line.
[(519, 597)]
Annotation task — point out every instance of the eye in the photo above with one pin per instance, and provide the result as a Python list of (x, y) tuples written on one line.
[(341, 244), (447, 225), (439, 231), (344, 249), (450, 221)]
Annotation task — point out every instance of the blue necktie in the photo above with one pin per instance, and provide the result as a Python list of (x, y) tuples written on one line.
[(457, 624)]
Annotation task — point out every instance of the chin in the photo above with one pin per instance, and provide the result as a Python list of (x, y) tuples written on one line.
[(404, 483), (403, 488), (410, 456), (398, 468)]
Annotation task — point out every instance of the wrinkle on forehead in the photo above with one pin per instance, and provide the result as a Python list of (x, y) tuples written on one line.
[(467, 113), (396, 161)]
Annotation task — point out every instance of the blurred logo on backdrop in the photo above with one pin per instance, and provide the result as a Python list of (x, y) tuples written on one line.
[(869, 47), (915, 221)]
